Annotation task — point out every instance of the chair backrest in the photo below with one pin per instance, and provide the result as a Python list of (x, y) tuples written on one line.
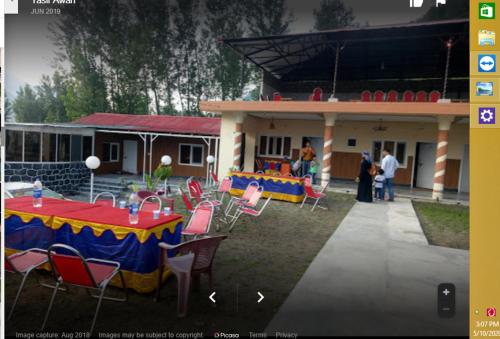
[(366, 96), (259, 163), (254, 199), (72, 268), (276, 96), (194, 189), (392, 96), (108, 202), (9, 266), (204, 250), (201, 219), (251, 188), (225, 185), (421, 96), (434, 96), (187, 202), (215, 178), (149, 204), (408, 96), (378, 96), (317, 94)]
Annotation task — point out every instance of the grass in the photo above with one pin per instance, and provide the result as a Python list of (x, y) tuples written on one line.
[(444, 225), (268, 254)]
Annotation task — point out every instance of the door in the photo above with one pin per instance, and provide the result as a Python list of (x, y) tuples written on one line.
[(129, 156), (464, 175), (426, 161), (317, 144)]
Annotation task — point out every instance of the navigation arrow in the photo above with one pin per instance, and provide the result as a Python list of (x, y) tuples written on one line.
[(211, 297), (261, 297)]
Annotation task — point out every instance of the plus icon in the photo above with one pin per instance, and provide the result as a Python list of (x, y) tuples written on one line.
[(446, 292)]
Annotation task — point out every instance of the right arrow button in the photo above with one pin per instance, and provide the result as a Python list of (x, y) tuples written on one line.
[(261, 297)]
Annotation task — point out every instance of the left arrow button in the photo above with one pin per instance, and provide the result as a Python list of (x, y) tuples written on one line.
[(211, 297)]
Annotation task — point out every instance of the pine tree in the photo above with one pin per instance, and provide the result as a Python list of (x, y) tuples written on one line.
[(332, 14)]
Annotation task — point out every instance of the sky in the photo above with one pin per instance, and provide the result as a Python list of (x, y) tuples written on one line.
[(29, 51)]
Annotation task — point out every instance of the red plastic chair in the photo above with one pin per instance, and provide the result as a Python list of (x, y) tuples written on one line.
[(91, 274), (378, 96), (421, 96), (249, 191), (149, 206), (187, 202), (194, 258), (23, 263), (277, 96), (200, 221), (250, 208), (215, 178), (408, 96), (311, 193), (434, 96), (195, 191), (105, 202), (224, 187), (317, 94), (366, 96), (392, 96)]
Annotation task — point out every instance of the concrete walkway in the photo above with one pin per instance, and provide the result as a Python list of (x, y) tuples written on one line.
[(377, 275)]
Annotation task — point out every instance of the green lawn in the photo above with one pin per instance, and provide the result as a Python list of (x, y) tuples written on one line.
[(444, 225)]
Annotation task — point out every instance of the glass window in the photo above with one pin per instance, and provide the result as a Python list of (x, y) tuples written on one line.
[(49, 147), (401, 152), (32, 142), (377, 151), (389, 145), (270, 147), (263, 145), (191, 155), (110, 152), (275, 146), (13, 145), (76, 148), (351, 142), (63, 147), (87, 147), (287, 147)]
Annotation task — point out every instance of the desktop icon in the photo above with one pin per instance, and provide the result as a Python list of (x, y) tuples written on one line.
[(486, 10), (486, 38), (486, 63), (487, 115), (484, 88), (491, 312)]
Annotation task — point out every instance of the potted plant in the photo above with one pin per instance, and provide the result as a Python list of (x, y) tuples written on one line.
[(161, 173)]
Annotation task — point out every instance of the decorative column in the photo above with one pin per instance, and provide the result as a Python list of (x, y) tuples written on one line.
[(238, 138), (444, 124), (327, 148)]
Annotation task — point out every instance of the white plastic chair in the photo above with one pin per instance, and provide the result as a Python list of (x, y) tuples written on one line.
[(145, 202), (103, 194)]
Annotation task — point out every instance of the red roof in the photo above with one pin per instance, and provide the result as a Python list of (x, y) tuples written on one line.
[(153, 123)]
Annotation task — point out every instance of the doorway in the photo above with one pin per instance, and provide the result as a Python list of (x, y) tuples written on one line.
[(130, 156), (425, 165)]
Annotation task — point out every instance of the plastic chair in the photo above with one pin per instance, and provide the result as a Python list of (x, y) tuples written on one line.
[(194, 258), (277, 96), (215, 178), (149, 206), (105, 202), (317, 94), (421, 96), (224, 187), (187, 202), (195, 191), (23, 263), (434, 96), (378, 96), (408, 96), (249, 210), (247, 194), (312, 193), (392, 96), (200, 221), (366, 96), (91, 274)]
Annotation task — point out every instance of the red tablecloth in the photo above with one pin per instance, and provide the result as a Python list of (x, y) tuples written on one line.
[(50, 206)]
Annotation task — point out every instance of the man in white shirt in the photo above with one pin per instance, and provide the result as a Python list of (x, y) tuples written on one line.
[(389, 165)]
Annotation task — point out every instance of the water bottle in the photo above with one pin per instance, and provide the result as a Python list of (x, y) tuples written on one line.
[(133, 208), (37, 193)]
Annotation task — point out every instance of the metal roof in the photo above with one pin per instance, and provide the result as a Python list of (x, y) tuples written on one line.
[(405, 51), (153, 123)]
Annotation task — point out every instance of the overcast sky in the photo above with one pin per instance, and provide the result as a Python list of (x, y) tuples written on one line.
[(29, 51)]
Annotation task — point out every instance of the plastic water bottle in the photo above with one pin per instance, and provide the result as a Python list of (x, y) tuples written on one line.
[(133, 209), (37, 193)]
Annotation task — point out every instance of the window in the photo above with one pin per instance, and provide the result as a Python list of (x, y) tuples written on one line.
[(191, 154), (76, 148), (63, 146), (86, 148), (14, 145), (32, 142), (275, 146), (49, 142), (110, 152), (398, 149), (351, 142)]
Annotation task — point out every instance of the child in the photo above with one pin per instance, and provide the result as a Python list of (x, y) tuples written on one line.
[(313, 169), (379, 185)]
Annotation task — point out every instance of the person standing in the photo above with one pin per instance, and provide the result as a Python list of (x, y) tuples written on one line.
[(379, 185), (308, 153), (313, 170), (389, 165), (364, 179)]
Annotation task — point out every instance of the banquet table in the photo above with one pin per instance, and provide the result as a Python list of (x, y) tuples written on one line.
[(97, 231), (281, 187)]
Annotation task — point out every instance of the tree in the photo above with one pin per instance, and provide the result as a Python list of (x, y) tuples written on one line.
[(51, 94), (9, 113), (267, 17), (332, 14), (26, 106)]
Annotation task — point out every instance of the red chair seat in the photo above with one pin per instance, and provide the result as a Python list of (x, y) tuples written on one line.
[(316, 195), (250, 211), (106, 202), (101, 272), (27, 260)]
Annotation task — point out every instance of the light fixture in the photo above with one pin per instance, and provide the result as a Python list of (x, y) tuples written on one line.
[(272, 126), (380, 128), (166, 160), (92, 163), (210, 159), (210, 162)]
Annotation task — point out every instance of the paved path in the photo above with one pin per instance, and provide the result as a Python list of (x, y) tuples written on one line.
[(377, 275)]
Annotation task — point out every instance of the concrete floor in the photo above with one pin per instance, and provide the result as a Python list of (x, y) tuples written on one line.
[(377, 275)]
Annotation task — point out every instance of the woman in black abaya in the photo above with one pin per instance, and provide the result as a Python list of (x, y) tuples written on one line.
[(365, 179)]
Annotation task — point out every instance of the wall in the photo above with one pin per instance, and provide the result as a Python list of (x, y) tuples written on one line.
[(64, 177)]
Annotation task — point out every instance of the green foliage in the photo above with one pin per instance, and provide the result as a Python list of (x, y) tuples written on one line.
[(332, 14), (161, 173)]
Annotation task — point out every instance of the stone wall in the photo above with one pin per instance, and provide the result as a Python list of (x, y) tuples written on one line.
[(63, 178)]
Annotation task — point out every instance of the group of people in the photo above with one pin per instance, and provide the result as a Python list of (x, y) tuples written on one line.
[(308, 165), (381, 179)]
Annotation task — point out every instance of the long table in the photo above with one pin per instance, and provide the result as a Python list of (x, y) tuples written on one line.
[(281, 187), (97, 231)]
